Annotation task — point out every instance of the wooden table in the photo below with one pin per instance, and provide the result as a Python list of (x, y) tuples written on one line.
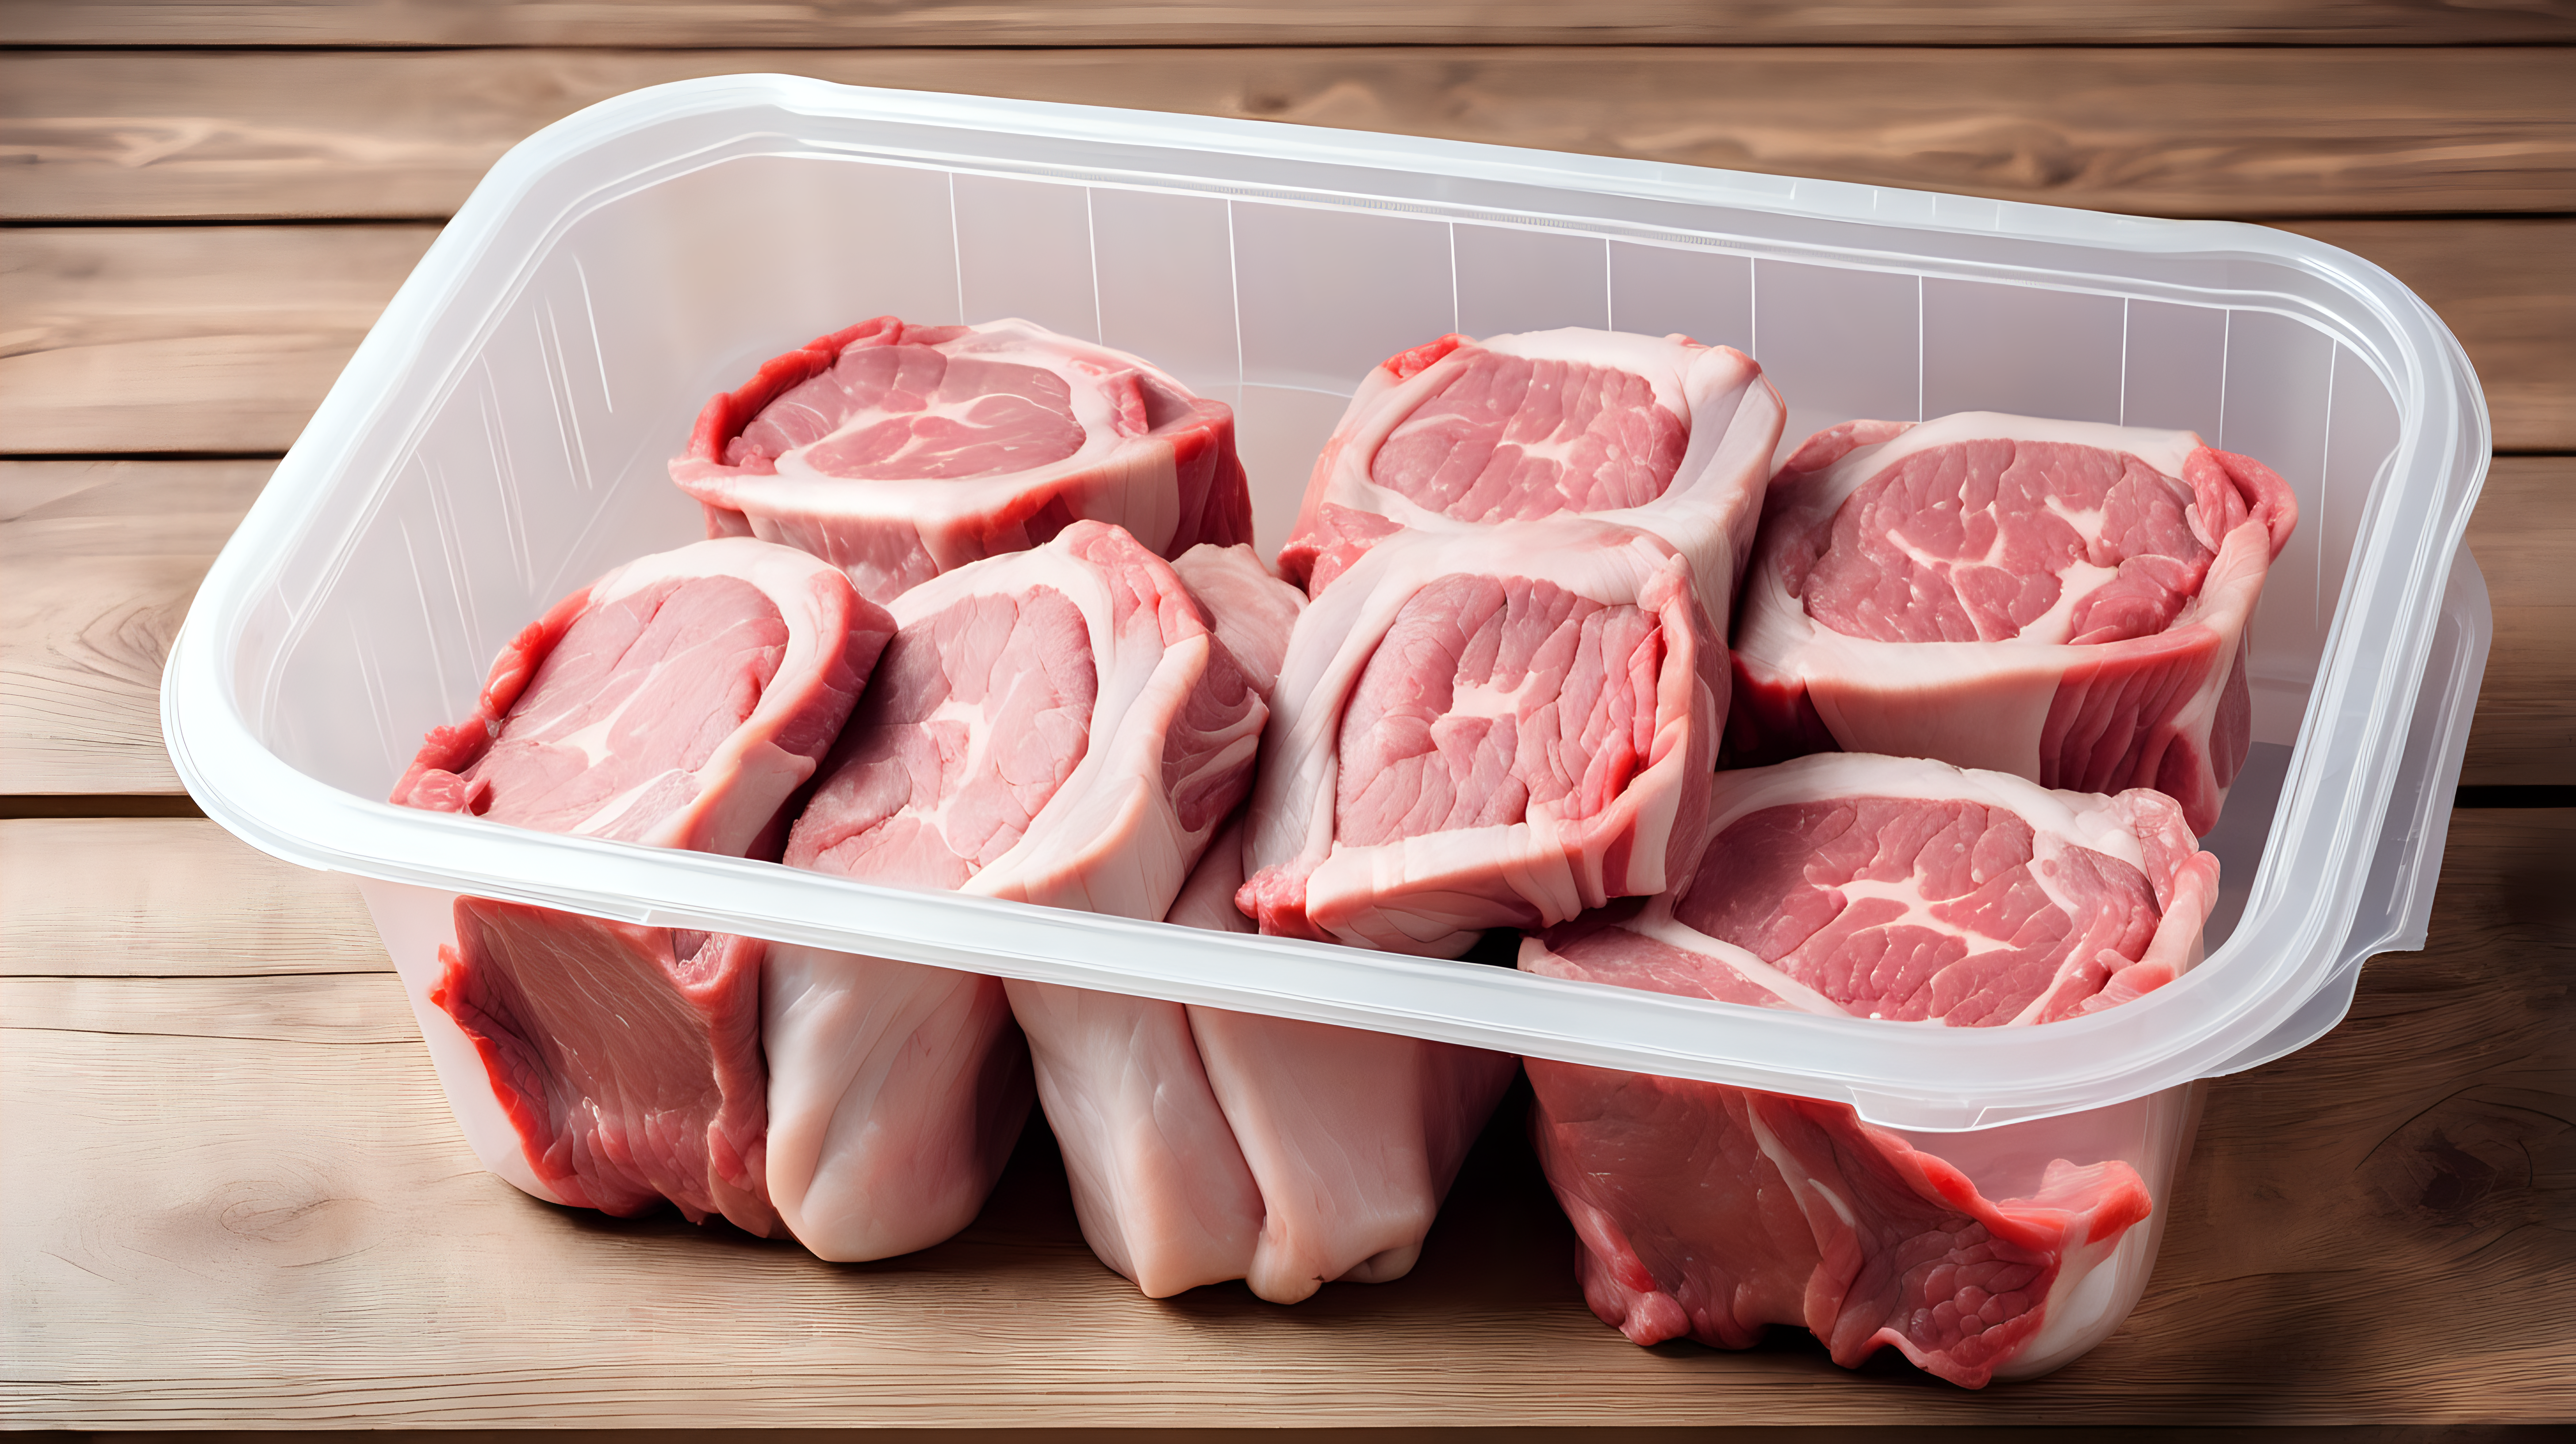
[(236, 1196)]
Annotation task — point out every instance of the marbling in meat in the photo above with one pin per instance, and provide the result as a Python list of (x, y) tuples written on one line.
[(1879, 887), (2061, 600), (1206, 1145), (1498, 728), (1058, 726), (1659, 433), (678, 701), (897, 452)]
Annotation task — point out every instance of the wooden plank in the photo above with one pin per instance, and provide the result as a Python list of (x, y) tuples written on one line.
[(93, 898), (2235, 132), (2509, 294), (217, 339), (2524, 535), (258, 1213), (103, 558), (641, 23)]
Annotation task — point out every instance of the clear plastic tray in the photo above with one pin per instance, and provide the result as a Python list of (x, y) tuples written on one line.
[(500, 438)]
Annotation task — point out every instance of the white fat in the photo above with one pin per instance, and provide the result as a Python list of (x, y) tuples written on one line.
[(1801, 1182), (607, 813), (1483, 699), (2075, 581), (1659, 924)]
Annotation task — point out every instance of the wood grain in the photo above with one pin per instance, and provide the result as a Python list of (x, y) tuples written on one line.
[(639, 23), (259, 1213), (170, 898), (2242, 132), (2507, 289), (194, 340), (2524, 537), (103, 558)]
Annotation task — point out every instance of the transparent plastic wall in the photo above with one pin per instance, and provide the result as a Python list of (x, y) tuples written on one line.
[(541, 462)]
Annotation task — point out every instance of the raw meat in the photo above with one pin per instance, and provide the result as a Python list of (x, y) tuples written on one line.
[(1058, 726), (1351, 1137), (1877, 887), (1901, 888), (897, 452), (1707, 1211), (2061, 600), (626, 1058), (1205, 1145), (1497, 728), (1659, 433), (678, 701)]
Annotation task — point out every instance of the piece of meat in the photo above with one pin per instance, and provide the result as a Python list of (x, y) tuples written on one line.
[(1352, 1138), (1878, 887), (1708, 1212), (1499, 728), (2061, 600), (1658, 433), (679, 701), (1206, 1145), (1058, 726), (626, 1058), (897, 452)]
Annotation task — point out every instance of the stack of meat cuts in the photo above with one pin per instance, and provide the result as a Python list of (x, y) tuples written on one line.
[(2060, 600), (897, 452), (1877, 887), (978, 615), (1521, 552), (1205, 1145), (1493, 730), (1058, 726), (678, 701)]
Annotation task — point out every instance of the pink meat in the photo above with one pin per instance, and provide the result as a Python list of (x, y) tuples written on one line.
[(2060, 600), (1662, 434), (1474, 731), (908, 412), (897, 452), (627, 1058), (1509, 436), (1993, 539), (980, 712), (1710, 1212), (1205, 1145), (679, 701), (1493, 695), (1062, 726), (1877, 887)]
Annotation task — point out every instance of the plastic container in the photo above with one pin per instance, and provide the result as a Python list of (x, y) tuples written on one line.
[(500, 438)]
